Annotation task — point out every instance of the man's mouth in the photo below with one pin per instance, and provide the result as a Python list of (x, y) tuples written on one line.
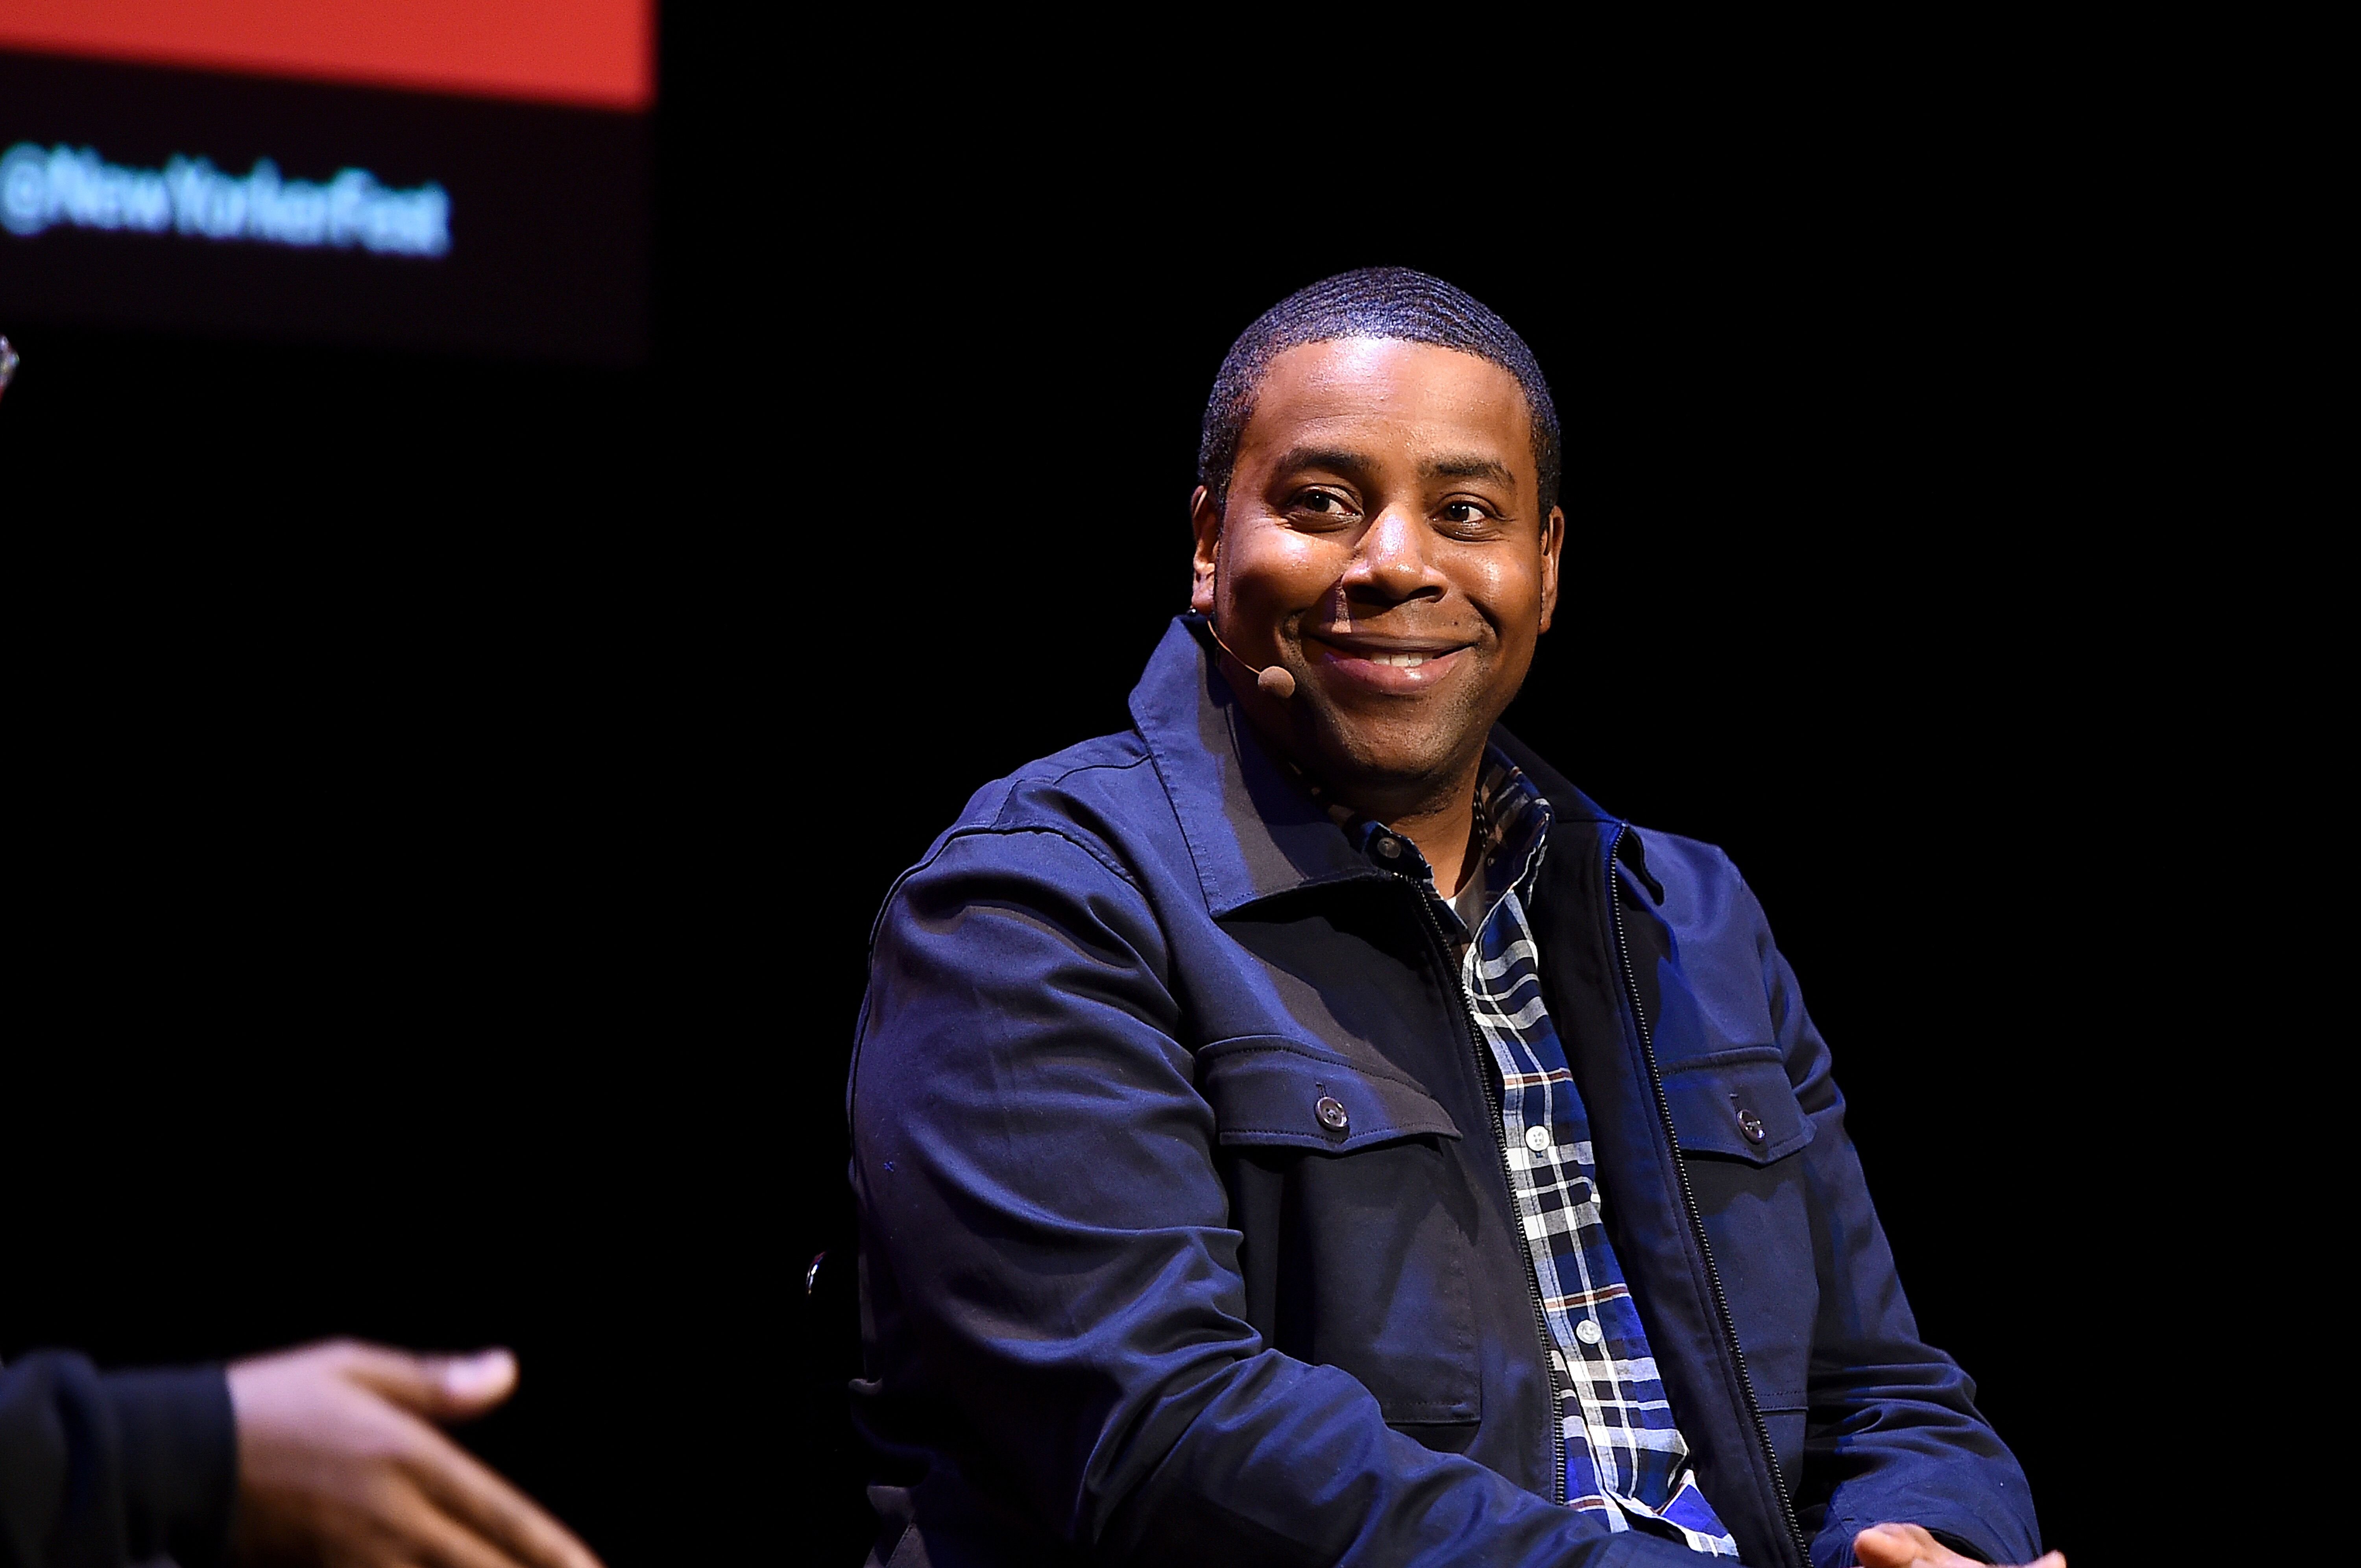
[(1386, 663)]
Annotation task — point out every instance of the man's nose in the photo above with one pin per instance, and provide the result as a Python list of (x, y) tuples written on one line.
[(1392, 562)]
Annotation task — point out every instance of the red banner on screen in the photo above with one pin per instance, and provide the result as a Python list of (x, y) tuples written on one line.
[(599, 53)]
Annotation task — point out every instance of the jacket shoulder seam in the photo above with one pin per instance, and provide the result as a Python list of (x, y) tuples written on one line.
[(1087, 768), (1086, 843)]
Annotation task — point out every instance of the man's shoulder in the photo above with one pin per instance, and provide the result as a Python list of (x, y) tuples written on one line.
[(1077, 786), (1698, 866), (1689, 873), (1103, 794)]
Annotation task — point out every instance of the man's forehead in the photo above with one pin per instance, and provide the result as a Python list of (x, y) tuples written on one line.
[(1440, 399)]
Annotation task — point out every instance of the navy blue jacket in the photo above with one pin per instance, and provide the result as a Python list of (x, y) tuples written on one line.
[(100, 1469), (1126, 1298)]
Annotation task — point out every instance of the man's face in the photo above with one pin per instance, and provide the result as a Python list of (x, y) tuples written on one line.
[(1384, 542)]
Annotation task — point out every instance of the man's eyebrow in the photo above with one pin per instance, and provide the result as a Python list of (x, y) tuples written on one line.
[(1342, 461), (1468, 468), (1333, 457)]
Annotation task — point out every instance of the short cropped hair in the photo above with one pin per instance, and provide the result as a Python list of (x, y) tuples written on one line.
[(1372, 301)]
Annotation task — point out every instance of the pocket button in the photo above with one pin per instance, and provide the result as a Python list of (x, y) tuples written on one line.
[(1750, 1124), (1332, 1114)]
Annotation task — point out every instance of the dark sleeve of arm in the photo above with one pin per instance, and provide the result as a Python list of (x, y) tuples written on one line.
[(1893, 1433), (1036, 1172), (117, 1468)]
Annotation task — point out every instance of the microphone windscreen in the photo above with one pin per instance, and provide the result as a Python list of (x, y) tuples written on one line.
[(1277, 682)]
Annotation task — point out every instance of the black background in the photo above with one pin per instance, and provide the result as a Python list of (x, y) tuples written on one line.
[(452, 794)]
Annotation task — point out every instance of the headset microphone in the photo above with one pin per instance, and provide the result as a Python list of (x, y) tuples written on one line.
[(1272, 678)]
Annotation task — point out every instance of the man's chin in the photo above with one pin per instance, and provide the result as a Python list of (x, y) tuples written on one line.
[(1366, 770)]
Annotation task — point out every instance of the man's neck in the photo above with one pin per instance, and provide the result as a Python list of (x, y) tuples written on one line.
[(1440, 820), (1443, 834)]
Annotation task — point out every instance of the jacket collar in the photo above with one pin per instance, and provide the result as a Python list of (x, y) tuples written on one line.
[(1252, 830)]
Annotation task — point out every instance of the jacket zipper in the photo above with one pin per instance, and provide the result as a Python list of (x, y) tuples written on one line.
[(1485, 1067), (1697, 1219)]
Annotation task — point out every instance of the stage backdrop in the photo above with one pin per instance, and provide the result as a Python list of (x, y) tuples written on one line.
[(422, 172)]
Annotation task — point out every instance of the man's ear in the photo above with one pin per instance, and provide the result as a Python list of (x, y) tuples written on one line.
[(1205, 522), (1553, 541)]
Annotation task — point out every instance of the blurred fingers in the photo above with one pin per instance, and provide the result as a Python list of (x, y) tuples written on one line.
[(1901, 1546), (440, 1387), (436, 1541), (487, 1505)]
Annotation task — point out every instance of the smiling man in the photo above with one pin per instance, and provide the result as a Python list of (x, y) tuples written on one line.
[(1305, 1129)]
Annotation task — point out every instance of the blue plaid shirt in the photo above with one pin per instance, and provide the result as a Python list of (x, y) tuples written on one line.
[(1625, 1460)]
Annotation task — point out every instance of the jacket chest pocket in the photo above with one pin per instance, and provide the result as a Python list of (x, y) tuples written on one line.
[(1743, 1139), (1345, 1184)]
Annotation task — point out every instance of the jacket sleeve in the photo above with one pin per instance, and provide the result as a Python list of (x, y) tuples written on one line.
[(1051, 1267), (1892, 1432), (121, 1468)]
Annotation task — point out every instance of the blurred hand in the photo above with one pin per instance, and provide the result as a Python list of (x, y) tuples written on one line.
[(337, 1466), (1908, 1546)]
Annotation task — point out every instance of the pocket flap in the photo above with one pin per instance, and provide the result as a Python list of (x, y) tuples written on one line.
[(1269, 1090), (1738, 1104)]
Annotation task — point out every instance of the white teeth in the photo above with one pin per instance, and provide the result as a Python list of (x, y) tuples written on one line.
[(1402, 661)]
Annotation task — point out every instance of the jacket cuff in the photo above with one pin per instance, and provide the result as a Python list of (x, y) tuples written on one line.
[(179, 1448)]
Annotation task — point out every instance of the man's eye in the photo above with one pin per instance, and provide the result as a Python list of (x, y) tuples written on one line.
[(1324, 503), (1463, 512)]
